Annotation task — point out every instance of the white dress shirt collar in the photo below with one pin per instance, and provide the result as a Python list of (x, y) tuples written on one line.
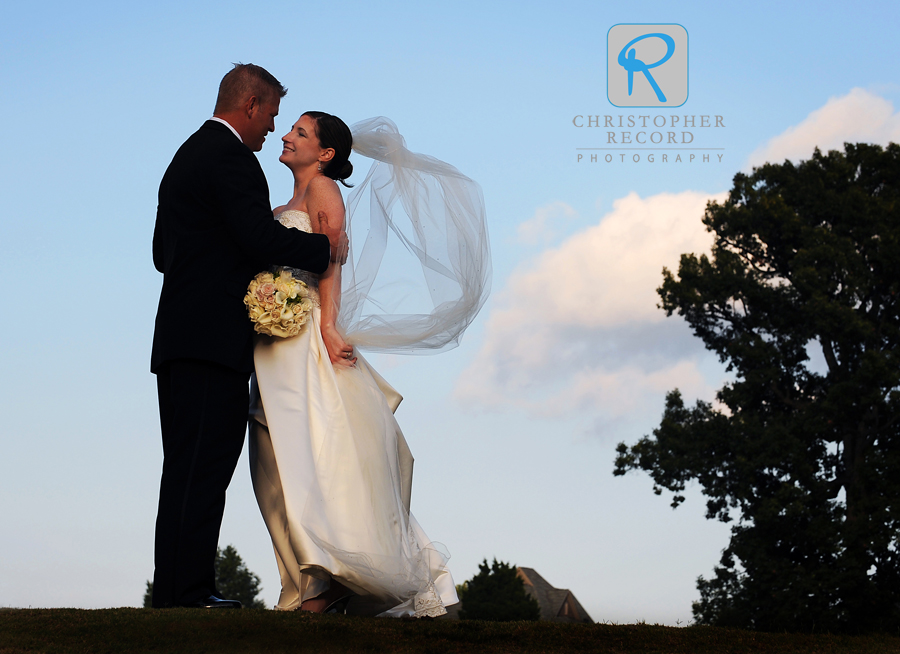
[(228, 125)]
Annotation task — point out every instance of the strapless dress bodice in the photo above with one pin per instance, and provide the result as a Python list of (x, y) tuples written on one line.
[(296, 219)]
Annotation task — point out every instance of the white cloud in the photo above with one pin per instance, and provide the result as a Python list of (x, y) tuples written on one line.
[(607, 274), (622, 390), (545, 223), (578, 326), (857, 116)]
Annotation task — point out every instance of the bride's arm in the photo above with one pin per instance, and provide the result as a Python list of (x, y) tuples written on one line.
[(323, 197)]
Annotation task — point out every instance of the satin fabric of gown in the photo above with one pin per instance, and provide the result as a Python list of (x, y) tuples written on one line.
[(332, 474)]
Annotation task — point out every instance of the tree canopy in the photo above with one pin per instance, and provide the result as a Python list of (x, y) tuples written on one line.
[(496, 593), (802, 451), (233, 580)]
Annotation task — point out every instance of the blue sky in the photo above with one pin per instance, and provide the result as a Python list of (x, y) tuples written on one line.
[(514, 432)]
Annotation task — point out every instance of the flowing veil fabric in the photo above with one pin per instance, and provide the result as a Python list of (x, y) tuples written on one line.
[(437, 215)]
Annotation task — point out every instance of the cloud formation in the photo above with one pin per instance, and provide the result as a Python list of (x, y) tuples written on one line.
[(545, 222), (857, 116), (578, 326)]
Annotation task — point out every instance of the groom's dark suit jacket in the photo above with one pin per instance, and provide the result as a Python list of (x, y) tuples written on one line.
[(214, 232)]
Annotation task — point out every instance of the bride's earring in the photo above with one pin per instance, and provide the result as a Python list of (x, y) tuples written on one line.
[(320, 166)]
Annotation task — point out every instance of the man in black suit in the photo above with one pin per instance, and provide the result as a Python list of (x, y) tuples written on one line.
[(214, 232)]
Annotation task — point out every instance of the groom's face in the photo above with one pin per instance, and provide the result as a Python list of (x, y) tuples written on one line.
[(262, 122)]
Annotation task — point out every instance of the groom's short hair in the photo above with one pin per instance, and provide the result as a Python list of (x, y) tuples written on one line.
[(243, 81)]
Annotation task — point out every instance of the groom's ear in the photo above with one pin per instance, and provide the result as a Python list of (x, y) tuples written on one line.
[(251, 106)]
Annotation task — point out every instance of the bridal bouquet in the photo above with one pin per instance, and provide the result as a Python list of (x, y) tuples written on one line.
[(278, 304)]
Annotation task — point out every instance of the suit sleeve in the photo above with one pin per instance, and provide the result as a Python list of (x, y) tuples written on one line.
[(248, 217), (158, 250)]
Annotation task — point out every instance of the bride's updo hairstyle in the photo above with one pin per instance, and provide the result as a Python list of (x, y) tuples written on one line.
[(333, 132)]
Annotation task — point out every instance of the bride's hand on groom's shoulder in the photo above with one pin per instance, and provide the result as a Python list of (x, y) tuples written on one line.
[(337, 237), (339, 351)]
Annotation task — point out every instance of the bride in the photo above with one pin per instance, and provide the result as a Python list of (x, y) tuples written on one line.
[(331, 469)]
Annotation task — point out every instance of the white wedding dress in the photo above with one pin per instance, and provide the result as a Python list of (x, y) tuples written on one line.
[(332, 474)]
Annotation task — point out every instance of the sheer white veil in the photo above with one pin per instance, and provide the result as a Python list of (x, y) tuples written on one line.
[(434, 213)]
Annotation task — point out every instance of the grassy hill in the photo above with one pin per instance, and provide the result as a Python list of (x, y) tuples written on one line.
[(193, 630)]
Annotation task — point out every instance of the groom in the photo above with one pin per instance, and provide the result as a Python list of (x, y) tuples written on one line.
[(214, 232)]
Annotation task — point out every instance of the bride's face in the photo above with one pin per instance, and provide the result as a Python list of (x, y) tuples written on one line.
[(301, 145)]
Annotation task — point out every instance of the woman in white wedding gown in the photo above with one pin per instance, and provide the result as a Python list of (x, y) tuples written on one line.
[(331, 470)]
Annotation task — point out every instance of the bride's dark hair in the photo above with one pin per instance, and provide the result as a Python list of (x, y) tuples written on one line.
[(333, 132)]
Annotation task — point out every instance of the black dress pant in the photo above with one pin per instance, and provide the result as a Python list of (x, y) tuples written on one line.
[(203, 415)]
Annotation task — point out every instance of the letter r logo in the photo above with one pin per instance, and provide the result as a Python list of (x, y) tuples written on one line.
[(647, 65)]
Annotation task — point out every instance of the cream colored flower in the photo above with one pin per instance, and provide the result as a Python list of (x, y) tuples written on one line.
[(278, 304), (278, 330)]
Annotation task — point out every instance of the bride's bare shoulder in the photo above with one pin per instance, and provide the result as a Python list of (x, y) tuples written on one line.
[(323, 193), (323, 187), (279, 209)]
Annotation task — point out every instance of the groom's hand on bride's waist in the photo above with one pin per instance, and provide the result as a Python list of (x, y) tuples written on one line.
[(337, 238)]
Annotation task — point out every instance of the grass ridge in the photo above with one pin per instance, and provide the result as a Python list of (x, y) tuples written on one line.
[(103, 631)]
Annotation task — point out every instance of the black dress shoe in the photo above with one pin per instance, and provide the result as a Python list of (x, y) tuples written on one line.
[(213, 602), (339, 605)]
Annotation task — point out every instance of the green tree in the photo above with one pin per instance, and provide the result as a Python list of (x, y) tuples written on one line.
[(804, 458), (233, 580), (496, 593)]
